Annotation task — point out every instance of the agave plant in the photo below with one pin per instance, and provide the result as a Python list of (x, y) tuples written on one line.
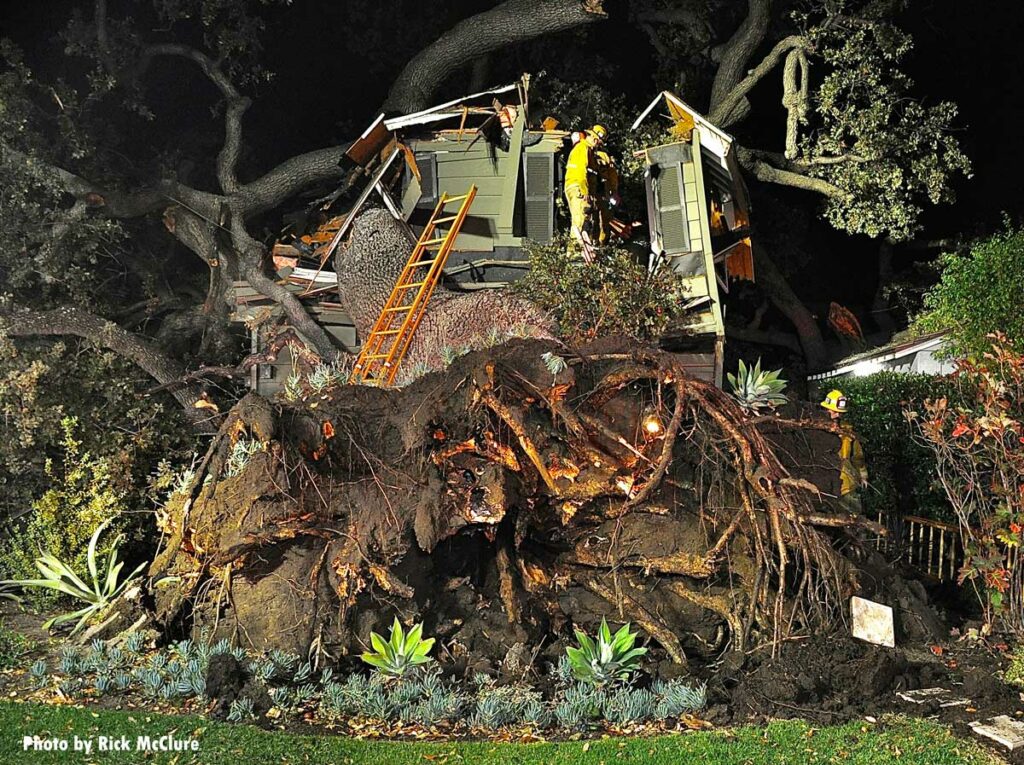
[(101, 591), (606, 659), (755, 389), (401, 652)]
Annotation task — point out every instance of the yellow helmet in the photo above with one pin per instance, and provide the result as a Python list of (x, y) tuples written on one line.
[(600, 131), (835, 401)]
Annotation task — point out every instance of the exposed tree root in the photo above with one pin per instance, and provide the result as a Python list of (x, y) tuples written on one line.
[(496, 482)]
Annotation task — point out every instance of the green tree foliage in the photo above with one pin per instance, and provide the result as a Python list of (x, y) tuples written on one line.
[(901, 470), (899, 152), (615, 295), (977, 294)]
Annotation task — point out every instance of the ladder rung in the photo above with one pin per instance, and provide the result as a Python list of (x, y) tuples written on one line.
[(387, 332), (422, 263), (377, 356), (456, 199), (409, 286), (433, 241), (398, 308), (446, 219)]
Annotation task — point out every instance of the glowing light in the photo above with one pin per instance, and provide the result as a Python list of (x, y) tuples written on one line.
[(865, 368), (651, 422)]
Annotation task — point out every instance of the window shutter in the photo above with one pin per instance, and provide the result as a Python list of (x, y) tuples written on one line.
[(671, 206), (426, 162), (539, 195)]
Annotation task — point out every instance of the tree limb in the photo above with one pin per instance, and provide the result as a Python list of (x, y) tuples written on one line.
[(235, 107), (763, 171), (510, 22), (726, 104), (783, 297), (70, 320), (727, 109)]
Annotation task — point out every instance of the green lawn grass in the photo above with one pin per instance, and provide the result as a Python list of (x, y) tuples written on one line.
[(898, 740)]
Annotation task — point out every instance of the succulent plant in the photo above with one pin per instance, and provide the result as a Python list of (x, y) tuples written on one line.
[(401, 652), (105, 583), (606, 659), (756, 389)]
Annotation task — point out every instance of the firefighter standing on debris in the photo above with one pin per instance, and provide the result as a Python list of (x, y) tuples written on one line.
[(582, 178), (854, 471)]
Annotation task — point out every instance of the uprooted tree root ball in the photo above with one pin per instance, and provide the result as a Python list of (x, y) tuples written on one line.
[(499, 502)]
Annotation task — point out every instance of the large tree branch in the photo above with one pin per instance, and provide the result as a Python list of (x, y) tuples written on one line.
[(69, 320), (510, 22), (726, 105), (235, 107), (734, 56), (755, 163), (291, 176)]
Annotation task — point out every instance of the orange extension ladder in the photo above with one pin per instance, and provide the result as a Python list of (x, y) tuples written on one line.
[(384, 349)]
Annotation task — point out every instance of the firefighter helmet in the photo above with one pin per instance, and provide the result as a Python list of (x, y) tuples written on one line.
[(835, 401)]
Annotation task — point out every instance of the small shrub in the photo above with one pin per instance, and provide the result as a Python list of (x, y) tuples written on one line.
[(615, 295), (400, 653), (13, 647), (629, 705), (1014, 674), (241, 710), (677, 697), (241, 453), (606, 659), (978, 443), (85, 491)]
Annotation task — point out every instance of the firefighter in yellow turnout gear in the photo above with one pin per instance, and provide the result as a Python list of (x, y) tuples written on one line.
[(853, 467), (581, 185)]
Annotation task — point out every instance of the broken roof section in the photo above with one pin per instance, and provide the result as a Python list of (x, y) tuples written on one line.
[(455, 108), (685, 116)]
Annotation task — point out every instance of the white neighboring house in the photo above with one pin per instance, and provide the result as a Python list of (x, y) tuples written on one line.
[(914, 355)]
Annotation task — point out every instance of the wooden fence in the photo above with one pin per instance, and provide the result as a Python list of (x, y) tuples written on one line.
[(934, 547)]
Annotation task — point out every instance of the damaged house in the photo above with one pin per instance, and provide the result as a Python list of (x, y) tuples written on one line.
[(698, 213)]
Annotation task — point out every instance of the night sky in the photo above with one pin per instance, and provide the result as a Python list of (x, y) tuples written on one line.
[(333, 70)]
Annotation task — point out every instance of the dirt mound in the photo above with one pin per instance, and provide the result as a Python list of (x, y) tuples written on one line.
[(833, 678)]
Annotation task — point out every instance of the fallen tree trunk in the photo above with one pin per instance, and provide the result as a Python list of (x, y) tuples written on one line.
[(499, 503)]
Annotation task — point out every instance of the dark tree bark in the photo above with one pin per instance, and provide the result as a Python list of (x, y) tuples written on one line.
[(511, 22), (783, 297)]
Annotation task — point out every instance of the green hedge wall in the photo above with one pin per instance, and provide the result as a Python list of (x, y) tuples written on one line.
[(901, 471)]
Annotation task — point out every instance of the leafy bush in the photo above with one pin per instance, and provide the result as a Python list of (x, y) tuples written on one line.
[(55, 392), (84, 492), (105, 583), (901, 470), (978, 443), (401, 652), (615, 295), (13, 646), (757, 390), (606, 659), (977, 294)]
